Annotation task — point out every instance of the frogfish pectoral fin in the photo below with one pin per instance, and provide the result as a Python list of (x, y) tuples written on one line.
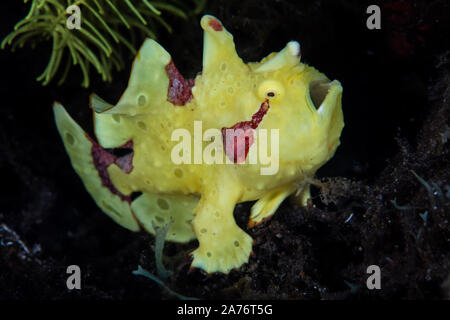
[(160, 209)]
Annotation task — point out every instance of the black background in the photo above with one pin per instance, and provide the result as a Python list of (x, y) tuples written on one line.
[(387, 76)]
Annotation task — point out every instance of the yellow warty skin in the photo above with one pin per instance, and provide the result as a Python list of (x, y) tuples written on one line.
[(199, 199)]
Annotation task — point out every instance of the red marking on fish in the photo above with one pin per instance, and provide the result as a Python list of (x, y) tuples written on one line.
[(216, 25), (238, 139), (179, 91), (103, 159)]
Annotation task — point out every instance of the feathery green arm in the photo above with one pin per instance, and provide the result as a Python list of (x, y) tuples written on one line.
[(98, 43)]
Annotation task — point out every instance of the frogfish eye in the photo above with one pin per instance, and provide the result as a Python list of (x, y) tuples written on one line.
[(270, 89)]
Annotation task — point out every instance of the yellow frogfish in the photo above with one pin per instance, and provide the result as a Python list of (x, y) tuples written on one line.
[(184, 152)]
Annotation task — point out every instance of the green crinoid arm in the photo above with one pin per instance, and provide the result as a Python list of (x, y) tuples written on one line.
[(105, 29)]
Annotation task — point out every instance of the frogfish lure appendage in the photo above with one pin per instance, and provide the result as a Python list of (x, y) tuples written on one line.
[(280, 112)]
